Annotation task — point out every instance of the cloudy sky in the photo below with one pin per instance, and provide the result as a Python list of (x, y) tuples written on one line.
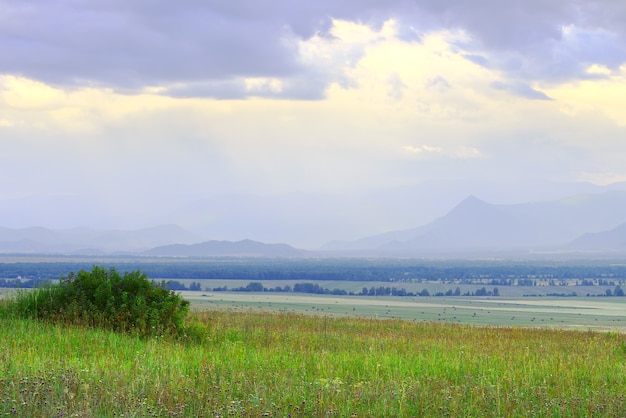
[(164, 101)]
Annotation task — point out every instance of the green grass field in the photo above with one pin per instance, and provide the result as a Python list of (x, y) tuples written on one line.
[(315, 365)]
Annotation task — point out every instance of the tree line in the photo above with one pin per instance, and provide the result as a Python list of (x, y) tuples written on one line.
[(489, 273), (314, 288)]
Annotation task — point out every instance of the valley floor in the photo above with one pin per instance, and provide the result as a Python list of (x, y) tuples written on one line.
[(597, 313)]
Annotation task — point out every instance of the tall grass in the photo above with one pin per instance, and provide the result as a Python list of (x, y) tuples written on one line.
[(255, 364)]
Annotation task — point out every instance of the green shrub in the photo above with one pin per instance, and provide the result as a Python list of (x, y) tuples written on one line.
[(103, 298)]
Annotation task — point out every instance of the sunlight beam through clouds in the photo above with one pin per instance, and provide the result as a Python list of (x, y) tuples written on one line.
[(182, 101)]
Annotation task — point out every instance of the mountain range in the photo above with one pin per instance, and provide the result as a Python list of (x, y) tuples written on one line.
[(588, 222), (90, 241), (302, 219), (582, 224)]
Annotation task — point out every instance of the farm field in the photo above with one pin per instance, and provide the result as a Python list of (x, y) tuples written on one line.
[(563, 312), (432, 287), (594, 313)]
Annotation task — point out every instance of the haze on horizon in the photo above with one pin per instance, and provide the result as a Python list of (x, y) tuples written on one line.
[(148, 105)]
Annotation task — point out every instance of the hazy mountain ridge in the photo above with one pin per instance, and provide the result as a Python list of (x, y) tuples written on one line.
[(243, 248), (305, 220), (613, 239), (156, 241), (309, 220), (474, 226), (583, 222), (90, 241)]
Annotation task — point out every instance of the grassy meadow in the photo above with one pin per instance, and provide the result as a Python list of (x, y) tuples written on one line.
[(283, 364)]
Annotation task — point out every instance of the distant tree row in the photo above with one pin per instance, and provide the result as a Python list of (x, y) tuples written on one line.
[(618, 291), (22, 283), (315, 288), (33, 283), (176, 285)]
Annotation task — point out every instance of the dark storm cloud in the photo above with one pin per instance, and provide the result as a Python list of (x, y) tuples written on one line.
[(68, 43), (129, 45), (535, 39), (204, 48)]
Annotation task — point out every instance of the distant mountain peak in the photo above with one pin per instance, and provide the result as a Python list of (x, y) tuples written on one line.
[(473, 207), (472, 200)]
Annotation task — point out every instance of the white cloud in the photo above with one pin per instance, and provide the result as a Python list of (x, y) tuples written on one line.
[(424, 150), (459, 153), (261, 85), (598, 69)]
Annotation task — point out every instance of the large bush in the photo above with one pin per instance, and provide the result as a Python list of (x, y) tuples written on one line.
[(104, 298)]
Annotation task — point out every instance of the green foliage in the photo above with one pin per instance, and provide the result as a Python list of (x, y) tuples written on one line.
[(103, 298)]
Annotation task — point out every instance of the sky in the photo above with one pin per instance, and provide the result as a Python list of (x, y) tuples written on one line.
[(161, 102)]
